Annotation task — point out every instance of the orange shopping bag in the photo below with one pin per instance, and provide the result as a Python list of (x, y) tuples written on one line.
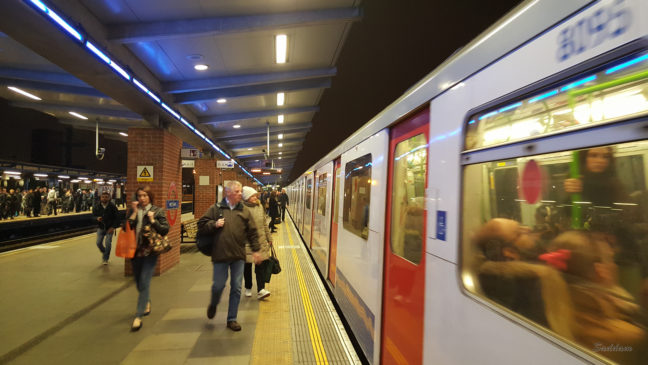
[(126, 243)]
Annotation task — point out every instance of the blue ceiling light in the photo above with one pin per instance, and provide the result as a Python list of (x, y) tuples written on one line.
[(141, 86), (98, 52), (627, 64), (488, 115), (120, 70), (578, 83), (173, 112), (154, 97), (512, 106), (543, 96), (57, 19)]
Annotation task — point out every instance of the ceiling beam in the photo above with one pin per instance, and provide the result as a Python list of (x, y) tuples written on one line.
[(79, 123), (260, 156), (264, 139), (58, 78), (224, 118), (59, 88), (153, 31), (118, 113), (260, 132), (251, 90), (246, 80), (234, 145)]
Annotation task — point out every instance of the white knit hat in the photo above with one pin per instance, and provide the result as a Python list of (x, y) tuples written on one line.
[(248, 192)]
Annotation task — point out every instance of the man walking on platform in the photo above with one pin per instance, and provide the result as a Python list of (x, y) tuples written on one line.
[(107, 219), (231, 227)]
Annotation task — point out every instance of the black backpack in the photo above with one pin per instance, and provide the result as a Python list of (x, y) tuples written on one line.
[(205, 243)]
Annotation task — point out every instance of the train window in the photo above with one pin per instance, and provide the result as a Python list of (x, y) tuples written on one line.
[(309, 192), (321, 195), (619, 91), (357, 193), (560, 239), (408, 198)]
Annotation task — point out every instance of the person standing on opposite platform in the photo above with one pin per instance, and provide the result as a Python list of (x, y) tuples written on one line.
[(107, 219), (231, 227), (143, 213), (252, 203)]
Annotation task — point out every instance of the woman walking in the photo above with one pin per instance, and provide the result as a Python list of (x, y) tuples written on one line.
[(144, 216), (251, 202)]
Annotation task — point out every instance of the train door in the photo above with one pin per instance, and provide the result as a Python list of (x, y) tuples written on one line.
[(335, 200), (308, 211), (322, 216), (404, 287)]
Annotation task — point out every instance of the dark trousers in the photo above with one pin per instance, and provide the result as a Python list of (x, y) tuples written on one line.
[(283, 213), (247, 276)]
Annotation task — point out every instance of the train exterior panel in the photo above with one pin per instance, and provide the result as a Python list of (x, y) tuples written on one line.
[(463, 147)]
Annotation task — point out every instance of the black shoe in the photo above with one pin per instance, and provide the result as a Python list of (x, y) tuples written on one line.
[(234, 326), (211, 311)]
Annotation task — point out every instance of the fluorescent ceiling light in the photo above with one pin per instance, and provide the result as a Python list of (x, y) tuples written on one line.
[(41, 175), (78, 115), (280, 152), (266, 173), (12, 172), (280, 136), (281, 99), (124, 134), (249, 149), (23, 92), (280, 118), (236, 126), (221, 101), (63, 177), (280, 144), (201, 67), (281, 46)]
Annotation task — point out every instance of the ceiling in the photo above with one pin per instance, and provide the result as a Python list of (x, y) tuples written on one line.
[(158, 42)]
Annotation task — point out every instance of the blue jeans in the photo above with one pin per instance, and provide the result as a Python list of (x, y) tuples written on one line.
[(220, 277), (101, 234), (143, 268)]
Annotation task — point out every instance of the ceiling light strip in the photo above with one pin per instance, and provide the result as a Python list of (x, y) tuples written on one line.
[(45, 10)]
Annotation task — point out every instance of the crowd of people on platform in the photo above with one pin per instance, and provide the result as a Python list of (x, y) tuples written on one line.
[(39, 201)]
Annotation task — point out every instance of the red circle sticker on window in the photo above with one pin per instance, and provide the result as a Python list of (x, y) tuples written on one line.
[(531, 182)]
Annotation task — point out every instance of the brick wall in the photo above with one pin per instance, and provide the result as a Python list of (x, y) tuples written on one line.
[(160, 149), (205, 195)]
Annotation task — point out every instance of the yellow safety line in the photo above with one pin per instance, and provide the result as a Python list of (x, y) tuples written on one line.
[(393, 350), (313, 329)]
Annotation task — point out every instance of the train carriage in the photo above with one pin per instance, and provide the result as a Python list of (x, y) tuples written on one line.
[(496, 212)]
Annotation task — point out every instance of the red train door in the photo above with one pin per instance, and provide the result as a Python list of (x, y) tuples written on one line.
[(404, 284), (334, 220)]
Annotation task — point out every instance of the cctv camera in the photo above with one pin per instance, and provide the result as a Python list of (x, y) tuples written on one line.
[(101, 152)]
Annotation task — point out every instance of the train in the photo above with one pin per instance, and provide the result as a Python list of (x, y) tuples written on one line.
[(396, 216)]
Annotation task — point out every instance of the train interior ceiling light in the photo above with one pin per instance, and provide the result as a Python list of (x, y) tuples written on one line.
[(83, 40)]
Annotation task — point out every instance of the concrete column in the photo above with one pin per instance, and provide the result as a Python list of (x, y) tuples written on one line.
[(159, 149)]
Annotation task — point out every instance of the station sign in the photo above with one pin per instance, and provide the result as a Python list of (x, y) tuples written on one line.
[(190, 153), (189, 164), (172, 204), (225, 164)]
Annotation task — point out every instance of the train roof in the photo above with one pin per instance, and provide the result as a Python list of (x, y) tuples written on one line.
[(523, 23)]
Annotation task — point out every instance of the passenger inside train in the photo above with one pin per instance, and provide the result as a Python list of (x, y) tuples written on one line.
[(581, 270)]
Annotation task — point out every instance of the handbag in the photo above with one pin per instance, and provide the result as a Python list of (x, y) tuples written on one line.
[(205, 244), (126, 243), (276, 267), (157, 243)]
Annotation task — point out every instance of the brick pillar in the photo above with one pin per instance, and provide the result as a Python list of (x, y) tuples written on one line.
[(160, 149), (206, 195)]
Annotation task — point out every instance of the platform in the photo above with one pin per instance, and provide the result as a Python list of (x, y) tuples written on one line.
[(61, 306)]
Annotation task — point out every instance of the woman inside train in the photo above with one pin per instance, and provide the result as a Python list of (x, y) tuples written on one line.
[(606, 318)]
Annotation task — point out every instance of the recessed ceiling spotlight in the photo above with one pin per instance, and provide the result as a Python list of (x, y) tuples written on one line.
[(280, 136), (281, 99), (280, 118), (236, 126), (281, 47), (23, 92), (78, 115), (201, 67), (249, 149), (280, 144), (124, 134), (221, 101), (280, 152)]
